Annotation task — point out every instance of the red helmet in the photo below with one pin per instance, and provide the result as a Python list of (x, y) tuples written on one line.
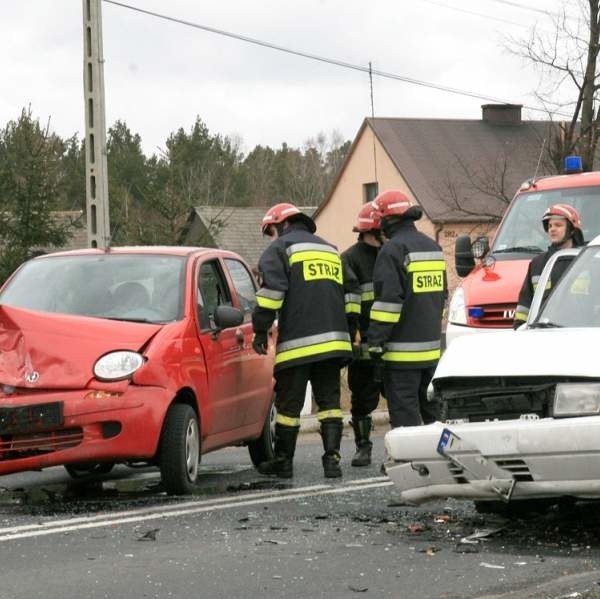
[(367, 220), (563, 211), (395, 203), (280, 213)]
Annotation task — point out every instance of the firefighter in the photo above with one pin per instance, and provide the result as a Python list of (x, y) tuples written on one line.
[(410, 288), (303, 287), (359, 259), (562, 223)]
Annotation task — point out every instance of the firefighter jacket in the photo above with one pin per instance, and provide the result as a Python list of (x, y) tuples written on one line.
[(359, 261), (534, 270), (410, 292), (303, 286)]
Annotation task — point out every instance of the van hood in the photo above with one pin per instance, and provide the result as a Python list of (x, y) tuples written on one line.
[(496, 284), (526, 352), (43, 350)]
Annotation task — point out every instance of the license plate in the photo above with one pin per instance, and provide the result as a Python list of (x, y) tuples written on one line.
[(20, 419), (446, 441)]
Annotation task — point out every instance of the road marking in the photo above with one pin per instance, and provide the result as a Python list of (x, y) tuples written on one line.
[(185, 509)]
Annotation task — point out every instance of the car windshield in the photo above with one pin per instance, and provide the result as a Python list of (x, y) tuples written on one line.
[(522, 231), (575, 301), (133, 287)]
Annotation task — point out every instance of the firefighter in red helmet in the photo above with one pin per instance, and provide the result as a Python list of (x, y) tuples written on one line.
[(359, 259), (562, 223), (303, 287), (410, 287)]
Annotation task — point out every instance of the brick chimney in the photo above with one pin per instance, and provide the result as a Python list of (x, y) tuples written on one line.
[(501, 114)]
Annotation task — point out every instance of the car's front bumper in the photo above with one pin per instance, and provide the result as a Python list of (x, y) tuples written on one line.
[(511, 459), (126, 426)]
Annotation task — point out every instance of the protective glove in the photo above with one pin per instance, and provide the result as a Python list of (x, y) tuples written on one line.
[(260, 344), (376, 353)]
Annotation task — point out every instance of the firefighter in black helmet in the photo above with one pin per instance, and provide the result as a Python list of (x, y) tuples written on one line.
[(406, 317), (359, 259), (303, 287)]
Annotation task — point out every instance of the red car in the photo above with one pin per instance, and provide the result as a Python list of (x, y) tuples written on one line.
[(131, 355)]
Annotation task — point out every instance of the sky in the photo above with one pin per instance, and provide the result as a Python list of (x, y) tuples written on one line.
[(160, 75)]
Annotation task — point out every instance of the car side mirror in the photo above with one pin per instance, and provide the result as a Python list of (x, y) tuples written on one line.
[(227, 317), (464, 260)]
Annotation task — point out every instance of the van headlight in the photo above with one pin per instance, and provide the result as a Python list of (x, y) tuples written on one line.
[(117, 365), (457, 313), (576, 399)]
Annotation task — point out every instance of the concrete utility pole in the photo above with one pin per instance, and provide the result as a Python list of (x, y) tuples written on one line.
[(96, 169)]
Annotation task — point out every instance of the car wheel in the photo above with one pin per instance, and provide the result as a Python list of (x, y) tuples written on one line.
[(516, 508), (84, 470), (263, 448), (179, 453)]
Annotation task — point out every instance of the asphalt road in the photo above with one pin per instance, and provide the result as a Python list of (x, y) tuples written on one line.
[(244, 535)]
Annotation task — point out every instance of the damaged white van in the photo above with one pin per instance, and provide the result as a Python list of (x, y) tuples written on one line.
[(521, 408)]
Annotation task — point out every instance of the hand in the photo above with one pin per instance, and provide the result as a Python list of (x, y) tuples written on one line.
[(376, 353), (260, 344)]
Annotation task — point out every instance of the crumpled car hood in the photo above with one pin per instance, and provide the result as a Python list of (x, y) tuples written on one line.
[(60, 348), (531, 352)]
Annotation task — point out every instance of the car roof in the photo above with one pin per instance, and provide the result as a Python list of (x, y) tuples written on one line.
[(562, 181), (171, 250)]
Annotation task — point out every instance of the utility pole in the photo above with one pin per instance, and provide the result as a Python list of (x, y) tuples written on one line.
[(96, 168)]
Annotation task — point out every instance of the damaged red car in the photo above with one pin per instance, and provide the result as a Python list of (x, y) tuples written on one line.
[(131, 355)]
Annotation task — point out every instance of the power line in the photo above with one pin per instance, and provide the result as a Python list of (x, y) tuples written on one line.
[(522, 6), (477, 14), (339, 63)]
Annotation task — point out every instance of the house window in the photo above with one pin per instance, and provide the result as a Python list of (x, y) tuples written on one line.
[(370, 191)]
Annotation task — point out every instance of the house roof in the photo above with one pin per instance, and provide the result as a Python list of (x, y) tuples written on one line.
[(233, 228), (446, 162)]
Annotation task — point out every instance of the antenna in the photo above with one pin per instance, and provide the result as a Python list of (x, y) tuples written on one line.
[(373, 116), (537, 168)]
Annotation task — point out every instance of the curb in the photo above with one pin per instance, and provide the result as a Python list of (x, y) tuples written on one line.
[(310, 424)]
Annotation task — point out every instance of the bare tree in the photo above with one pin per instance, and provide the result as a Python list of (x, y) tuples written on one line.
[(567, 59)]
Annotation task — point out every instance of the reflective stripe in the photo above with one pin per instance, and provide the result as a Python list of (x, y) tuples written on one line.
[(413, 346), (385, 312), (352, 308), (314, 255), (287, 420), (426, 265), (270, 298), (337, 413), (522, 310), (420, 256), (307, 247), (313, 350), (312, 339), (352, 298), (520, 316), (366, 287), (366, 292), (409, 356)]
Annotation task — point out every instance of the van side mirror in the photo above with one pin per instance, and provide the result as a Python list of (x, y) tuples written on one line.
[(480, 247), (463, 256)]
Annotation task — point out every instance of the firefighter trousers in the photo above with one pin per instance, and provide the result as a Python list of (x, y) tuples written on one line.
[(364, 390), (290, 386), (406, 395)]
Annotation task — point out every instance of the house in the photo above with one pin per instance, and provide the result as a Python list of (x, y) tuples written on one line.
[(232, 228), (462, 173)]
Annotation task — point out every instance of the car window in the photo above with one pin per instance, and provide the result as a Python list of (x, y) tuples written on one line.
[(244, 286), (137, 287), (576, 300), (212, 292)]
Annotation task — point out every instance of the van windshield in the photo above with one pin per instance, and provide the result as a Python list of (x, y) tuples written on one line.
[(575, 302), (522, 231)]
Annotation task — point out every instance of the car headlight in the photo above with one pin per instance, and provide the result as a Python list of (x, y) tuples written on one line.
[(457, 313), (576, 399), (117, 365)]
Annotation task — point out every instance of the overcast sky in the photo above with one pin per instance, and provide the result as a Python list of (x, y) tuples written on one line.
[(160, 75)]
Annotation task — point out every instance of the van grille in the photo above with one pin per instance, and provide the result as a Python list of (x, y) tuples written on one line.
[(495, 316)]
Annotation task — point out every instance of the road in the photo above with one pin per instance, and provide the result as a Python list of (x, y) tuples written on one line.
[(244, 535)]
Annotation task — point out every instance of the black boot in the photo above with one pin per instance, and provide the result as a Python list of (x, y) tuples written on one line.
[(331, 432), (362, 433), (285, 444)]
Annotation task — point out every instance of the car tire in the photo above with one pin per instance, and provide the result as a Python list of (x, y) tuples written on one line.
[(79, 471), (263, 448), (179, 452), (516, 508)]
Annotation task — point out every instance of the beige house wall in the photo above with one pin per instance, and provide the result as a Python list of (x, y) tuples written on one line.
[(336, 219)]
